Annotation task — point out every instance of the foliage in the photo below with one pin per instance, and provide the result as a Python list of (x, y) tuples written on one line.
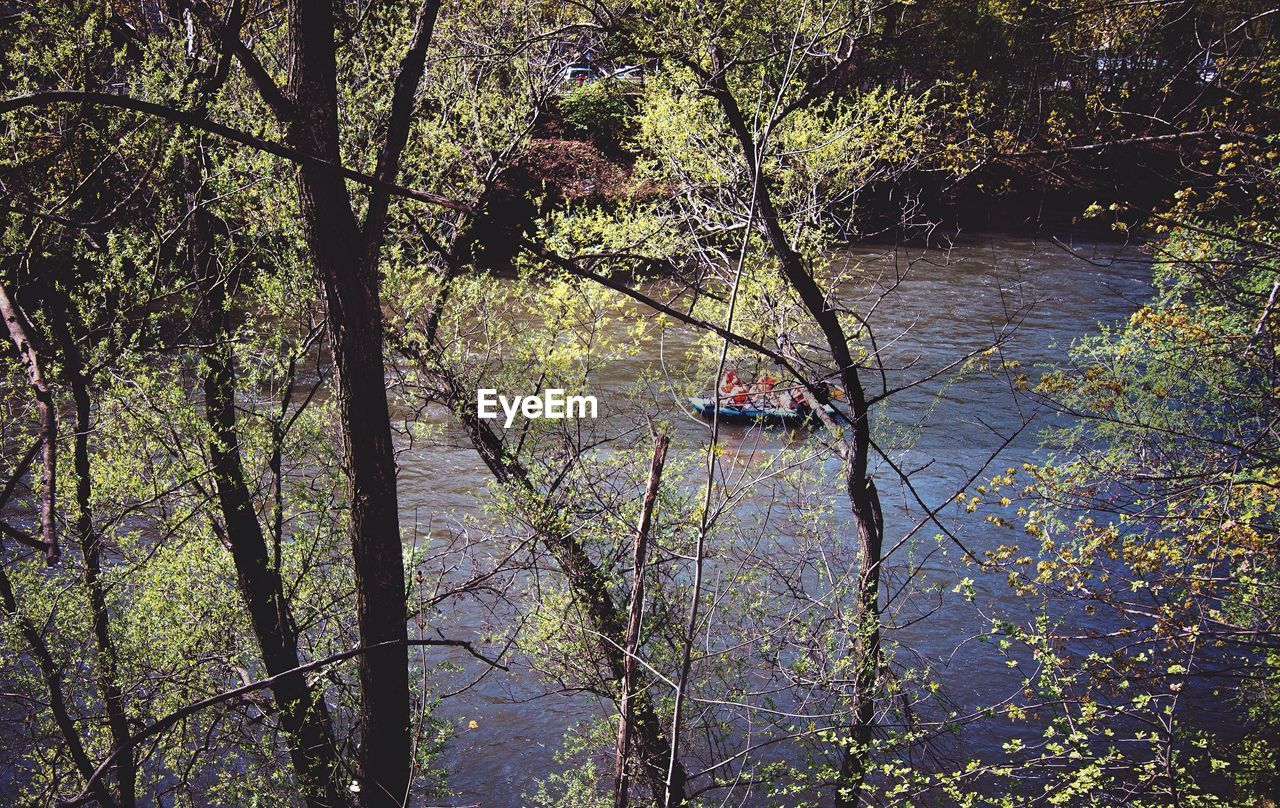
[(1157, 508), (768, 136), (600, 110)]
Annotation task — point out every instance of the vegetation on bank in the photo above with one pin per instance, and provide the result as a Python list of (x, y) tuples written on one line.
[(249, 263)]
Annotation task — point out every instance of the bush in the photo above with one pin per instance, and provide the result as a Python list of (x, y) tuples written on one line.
[(599, 110)]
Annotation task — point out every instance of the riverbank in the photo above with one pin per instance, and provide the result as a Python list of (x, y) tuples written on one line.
[(1023, 194)]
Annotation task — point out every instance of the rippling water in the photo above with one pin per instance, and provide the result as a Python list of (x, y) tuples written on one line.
[(943, 304)]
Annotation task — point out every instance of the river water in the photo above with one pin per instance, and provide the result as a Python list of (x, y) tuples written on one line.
[(943, 304)]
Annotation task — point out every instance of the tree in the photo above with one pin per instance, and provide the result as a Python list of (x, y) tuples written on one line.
[(254, 255), (1153, 508), (1156, 509)]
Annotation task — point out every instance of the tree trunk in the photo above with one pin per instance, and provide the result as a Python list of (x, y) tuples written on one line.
[(853, 759), (864, 500), (348, 274), (304, 716), (91, 549)]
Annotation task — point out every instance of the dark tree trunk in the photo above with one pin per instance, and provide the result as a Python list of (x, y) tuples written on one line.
[(348, 272), (853, 759), (304, 716), (864, 500), (91, 549)]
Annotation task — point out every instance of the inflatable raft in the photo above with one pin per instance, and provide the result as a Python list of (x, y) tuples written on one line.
[(776, 416)]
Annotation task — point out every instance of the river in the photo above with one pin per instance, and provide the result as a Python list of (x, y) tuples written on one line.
[(943, 304)]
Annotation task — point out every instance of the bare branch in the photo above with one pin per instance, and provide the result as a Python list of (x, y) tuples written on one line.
[(13, 321), (402, 103), (195, 121)]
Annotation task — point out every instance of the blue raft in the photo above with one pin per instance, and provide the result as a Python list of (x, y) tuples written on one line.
[(773, 416)]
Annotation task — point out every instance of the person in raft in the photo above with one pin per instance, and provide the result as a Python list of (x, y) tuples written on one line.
[(794, 398), (733, 391), (762, 392)]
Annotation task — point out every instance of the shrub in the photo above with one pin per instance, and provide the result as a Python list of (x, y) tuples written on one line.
[(599, 110)]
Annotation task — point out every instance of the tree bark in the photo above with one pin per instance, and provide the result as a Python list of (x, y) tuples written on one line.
[(347, 266), (13, 320), (304, 716)]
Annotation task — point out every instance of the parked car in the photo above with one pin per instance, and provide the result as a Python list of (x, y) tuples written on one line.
[(626, 73), (578, 74)]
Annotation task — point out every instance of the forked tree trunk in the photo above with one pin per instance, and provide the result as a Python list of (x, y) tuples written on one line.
[(348, 272)]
